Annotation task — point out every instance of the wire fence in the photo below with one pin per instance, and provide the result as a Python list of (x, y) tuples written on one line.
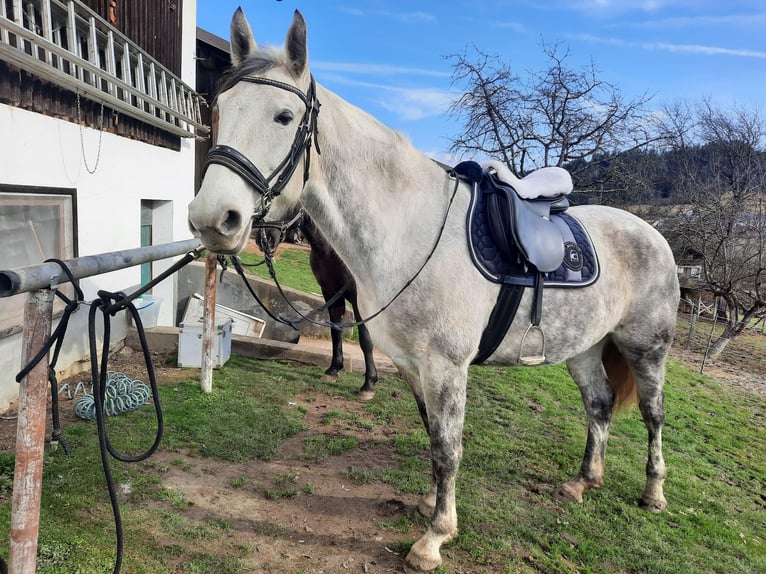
[(746, 351)]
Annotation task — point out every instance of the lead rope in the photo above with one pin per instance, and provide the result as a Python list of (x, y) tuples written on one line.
[(109, 304)]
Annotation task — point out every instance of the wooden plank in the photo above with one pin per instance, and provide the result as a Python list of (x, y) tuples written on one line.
[(111, 65), (72, 43), (47, 19), (163, 95), (140, 81), (154, 88), (3, 29), (18, 14), (127, 71), (93, 57), (173, 102)]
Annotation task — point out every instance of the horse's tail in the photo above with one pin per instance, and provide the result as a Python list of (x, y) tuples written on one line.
[(620, 377)]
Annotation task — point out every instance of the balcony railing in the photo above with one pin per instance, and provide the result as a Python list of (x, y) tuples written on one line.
[(68, 44)]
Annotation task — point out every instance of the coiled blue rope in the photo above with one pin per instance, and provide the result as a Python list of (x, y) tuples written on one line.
[(121, 394)]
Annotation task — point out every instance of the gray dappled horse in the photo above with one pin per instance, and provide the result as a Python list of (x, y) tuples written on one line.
[(385, 209)]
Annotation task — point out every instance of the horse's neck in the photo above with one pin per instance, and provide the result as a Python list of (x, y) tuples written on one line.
[(375, 193)]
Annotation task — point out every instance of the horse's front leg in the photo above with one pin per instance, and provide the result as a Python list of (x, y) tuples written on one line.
[(443, 399), (367, 392), (336, 312)]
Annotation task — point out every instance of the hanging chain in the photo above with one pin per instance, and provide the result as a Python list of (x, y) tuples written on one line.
[(82, 137)]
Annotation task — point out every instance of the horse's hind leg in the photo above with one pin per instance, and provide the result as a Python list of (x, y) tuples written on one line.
[(587, 370), (649, 371)]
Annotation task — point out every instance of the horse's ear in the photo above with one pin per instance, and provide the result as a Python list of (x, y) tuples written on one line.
[(242, 41), (295, 44)]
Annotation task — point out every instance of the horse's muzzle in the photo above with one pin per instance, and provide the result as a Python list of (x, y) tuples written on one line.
[(226, 235)]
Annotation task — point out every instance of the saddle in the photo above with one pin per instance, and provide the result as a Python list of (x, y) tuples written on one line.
[(519, 235), (519, 212)]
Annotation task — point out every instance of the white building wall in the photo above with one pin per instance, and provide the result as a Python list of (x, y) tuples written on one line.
[(36, 150)]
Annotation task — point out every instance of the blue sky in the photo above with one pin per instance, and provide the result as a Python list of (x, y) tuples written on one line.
[(391, 57)]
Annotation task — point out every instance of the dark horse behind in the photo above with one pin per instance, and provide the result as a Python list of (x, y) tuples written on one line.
[(333, 278)]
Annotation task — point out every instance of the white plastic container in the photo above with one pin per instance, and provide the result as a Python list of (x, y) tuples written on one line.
[(190, 344), (148, 308)]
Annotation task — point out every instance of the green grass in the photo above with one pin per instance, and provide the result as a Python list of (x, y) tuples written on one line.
[(291, 266), (524, 435)]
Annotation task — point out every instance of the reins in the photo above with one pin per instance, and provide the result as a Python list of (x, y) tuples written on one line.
[(268, 258)]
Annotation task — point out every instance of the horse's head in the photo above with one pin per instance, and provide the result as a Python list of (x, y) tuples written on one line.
[(264, 120)]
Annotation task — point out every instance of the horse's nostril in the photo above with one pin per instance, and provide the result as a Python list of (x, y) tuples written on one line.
[(232, 221)]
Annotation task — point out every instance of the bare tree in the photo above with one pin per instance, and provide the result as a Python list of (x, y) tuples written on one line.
[(723, 220), (559, 116)]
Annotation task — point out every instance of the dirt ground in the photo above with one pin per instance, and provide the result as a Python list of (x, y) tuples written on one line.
[(332, 525)]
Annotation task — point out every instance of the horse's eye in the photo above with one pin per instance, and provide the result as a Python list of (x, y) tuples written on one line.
[(284, 118)]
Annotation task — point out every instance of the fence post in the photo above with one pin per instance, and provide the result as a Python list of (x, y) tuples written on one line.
[(710, 338), (692, 321), (208, 323), (30, 436)]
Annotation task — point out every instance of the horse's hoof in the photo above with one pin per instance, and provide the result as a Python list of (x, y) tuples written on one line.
[(568, 493), (329, 378), (420, 564), (653, 505), (366, 395)]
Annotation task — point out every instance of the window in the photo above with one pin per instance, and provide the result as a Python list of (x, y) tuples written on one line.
[(35, 224)]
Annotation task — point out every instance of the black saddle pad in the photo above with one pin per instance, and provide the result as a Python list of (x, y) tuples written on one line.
[(579, 268)]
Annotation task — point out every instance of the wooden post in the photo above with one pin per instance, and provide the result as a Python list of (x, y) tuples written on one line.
[(30, 436), (208, 324)]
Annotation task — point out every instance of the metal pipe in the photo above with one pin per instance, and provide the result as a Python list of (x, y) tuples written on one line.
[(30, 436), (47, 275), (208, 324)]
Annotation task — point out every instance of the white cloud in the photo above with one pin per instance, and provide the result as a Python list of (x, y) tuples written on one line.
[(718, 21), (410, 104), (517, 27), (408, 17), (678, 48), (416, 103), (377, 69)]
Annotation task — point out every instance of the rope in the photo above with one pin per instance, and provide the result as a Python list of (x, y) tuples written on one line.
[(107, 399)]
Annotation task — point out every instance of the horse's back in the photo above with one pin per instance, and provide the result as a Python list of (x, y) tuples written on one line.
[(629, 248), (636, 290)]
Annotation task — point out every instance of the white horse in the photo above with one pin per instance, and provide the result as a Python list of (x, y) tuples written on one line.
[(382, 205)]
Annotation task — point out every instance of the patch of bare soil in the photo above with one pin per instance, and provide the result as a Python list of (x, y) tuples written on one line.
[(329, 524), (724, 372), (292, 513)]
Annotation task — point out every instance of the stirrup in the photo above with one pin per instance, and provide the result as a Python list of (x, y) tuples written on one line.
[(532, 360)]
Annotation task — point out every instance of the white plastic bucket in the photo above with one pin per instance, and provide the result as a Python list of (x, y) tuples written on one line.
[(148, 308)]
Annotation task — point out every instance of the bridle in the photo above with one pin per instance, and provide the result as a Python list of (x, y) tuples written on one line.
[(236, 161)]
